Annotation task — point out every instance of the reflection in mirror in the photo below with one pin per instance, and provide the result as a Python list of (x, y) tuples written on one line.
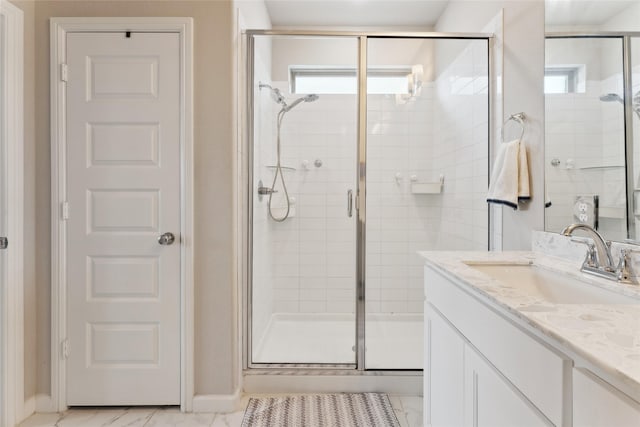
[(584, 134), (592, 125)]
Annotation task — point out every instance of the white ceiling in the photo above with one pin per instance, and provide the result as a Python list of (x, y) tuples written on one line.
[(420, 13), (355, 13), (583, 12)]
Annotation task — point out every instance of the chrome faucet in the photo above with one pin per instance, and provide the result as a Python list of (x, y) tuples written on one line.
[(599, 260)]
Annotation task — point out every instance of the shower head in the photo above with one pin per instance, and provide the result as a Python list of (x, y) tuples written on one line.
[(611, 97), (308, 98), (276, 95)]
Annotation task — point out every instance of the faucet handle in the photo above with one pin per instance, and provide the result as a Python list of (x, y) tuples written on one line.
[(591, 258), (624, 270)]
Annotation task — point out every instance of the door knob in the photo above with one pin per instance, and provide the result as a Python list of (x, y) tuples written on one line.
[(4, 243), (167, 239)]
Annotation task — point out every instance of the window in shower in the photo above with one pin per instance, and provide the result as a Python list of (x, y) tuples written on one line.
[(562, 80), (331, 80)]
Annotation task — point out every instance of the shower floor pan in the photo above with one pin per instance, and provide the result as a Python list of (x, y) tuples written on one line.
[(393, 341)]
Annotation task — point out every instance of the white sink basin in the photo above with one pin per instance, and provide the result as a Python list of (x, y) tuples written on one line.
[(550, 286)]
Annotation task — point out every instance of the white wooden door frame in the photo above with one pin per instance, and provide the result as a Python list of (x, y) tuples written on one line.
[(59, 29), (12, 403)]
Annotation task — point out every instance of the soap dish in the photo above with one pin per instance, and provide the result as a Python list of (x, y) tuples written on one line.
[(427, 187)]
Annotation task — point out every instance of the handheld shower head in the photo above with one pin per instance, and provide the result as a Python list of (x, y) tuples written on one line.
[(308, 98), (611, 97), (635, 103)]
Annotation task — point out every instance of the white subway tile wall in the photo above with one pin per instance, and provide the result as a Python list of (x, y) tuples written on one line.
[(307, 263)]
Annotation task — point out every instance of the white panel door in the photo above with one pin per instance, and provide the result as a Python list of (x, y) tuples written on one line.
[(123, 181)]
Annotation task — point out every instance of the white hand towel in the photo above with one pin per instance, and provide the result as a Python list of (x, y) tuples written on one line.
[(510, 177)]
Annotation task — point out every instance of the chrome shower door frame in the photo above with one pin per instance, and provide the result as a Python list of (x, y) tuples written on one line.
[(357, 368)]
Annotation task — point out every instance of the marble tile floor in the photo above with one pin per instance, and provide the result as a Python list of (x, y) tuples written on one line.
[(408, 409)]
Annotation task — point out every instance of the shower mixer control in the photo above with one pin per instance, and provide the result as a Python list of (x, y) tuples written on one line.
[(265, 191), (317, 163)]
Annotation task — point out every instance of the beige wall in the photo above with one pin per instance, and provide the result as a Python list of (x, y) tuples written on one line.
[(214, 241)]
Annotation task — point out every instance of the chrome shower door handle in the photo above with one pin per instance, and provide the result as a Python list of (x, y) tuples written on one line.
[(350, 203), (166, 239)]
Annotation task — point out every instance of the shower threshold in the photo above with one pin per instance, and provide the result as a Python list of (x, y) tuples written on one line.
[(393, 341)]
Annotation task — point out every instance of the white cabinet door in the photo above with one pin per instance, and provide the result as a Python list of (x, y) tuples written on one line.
[(598, 404), (123, 175), (443, 376), (490, 401)]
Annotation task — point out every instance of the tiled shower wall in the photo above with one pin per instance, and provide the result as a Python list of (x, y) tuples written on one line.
[(312, 254), (313, 251), (461, 150)]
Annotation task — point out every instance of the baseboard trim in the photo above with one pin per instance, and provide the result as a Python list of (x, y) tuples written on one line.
[(28, 409), (217, 402), (44, 403)]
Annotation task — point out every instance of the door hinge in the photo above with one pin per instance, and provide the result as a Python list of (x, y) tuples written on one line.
[(65, 349), (64, 72), (65, 211)]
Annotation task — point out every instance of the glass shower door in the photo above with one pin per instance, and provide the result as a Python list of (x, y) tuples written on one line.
[(303, 171), (426, 179)]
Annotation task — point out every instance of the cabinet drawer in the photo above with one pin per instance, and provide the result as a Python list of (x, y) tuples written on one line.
[(539, 372)]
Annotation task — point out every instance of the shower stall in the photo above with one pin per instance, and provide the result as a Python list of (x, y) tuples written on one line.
[(362, 149)]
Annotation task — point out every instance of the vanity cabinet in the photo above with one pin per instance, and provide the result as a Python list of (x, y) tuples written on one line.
[(482, 370), (463, 389), (443, 372), (485, 368), (598, 404)]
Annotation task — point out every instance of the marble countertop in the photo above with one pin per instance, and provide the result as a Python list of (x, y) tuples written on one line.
[(605, 335)]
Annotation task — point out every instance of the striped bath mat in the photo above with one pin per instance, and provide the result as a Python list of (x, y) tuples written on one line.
[(321, 410)]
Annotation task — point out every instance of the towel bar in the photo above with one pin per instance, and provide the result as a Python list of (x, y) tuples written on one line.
[(518, 118)]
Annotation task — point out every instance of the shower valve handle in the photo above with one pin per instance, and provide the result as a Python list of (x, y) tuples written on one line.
[(265, 191)]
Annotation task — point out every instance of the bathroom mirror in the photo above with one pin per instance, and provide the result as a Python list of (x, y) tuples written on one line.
[(592, 116)]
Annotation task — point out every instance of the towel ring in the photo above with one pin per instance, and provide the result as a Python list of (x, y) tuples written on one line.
[(518, 118)]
